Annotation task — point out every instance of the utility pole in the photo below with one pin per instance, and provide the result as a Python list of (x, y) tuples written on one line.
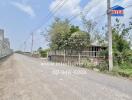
[(32, 43), (109, 12)]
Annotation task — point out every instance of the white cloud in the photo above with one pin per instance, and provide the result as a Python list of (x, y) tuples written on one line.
[(97, 8), (94, 9), (25, 8), (93, 6), (70, 8)]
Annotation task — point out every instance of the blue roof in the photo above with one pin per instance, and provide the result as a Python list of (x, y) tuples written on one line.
[(117, 8)]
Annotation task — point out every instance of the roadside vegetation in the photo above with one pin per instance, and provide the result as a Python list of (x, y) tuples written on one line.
[(122, 48), (62, 35), (43, 52)]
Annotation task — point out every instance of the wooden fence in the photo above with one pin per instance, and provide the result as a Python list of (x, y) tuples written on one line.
[(74, 57)]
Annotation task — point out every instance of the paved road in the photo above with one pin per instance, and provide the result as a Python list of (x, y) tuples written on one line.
[(25, 78)]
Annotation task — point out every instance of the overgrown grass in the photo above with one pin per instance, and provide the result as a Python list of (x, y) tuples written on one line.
[(124, 70), (87, 64)]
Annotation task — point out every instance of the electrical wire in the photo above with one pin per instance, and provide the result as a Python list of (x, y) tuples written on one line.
[(58, 7), (49, 16)]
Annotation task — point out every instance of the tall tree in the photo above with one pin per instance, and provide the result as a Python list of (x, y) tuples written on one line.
[(121, 42), (58, 31), (65, 36), (79, 40), (90, 28)]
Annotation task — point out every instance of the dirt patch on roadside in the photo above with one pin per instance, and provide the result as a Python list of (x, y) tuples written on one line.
[(7, 73), (4, 59)]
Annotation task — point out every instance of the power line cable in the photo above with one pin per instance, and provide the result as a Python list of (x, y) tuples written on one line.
[(97, 16), (50, 15), (61, 4)]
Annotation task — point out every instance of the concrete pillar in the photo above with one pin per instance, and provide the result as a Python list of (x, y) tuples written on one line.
[(1, 35), (1, 41)]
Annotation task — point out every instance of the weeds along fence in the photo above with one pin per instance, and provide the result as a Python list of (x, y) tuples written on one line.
[(76, 58)]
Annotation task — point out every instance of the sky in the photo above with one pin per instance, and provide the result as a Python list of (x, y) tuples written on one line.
[(19, 18)]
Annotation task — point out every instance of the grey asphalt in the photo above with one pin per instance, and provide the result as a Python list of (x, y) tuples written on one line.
[(26, 78)]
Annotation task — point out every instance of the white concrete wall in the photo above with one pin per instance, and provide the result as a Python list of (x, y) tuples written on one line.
[(1, 34), (4, 45)]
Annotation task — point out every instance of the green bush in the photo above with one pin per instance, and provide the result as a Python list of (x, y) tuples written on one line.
[(126, 66), (104, 53), (87, 64), (103, 66), (125, 72), (43, 53)]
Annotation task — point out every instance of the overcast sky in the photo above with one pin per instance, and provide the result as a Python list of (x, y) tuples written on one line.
[(20, 17)]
